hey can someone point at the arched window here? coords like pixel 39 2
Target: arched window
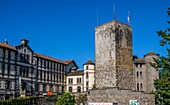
pixel 137 74
pixel 140 74
pixel 78 89
pixel 141 87
pixel 70 89
pixel 137 86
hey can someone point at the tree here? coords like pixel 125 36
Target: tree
pixel 162 85
pixel 65 99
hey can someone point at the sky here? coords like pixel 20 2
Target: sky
pixel 64 29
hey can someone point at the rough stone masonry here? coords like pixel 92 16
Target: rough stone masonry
pixel 114 76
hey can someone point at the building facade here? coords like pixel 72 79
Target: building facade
pixel 81 80
pixel 24 72
pixel 144 73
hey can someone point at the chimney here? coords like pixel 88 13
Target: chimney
pixel 5 42
pixel 24 42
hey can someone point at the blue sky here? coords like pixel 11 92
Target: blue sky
pixel 64 29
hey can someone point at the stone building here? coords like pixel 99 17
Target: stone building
pixel 114 74
pixel 145 74
pixel 24 72
pixel 81 80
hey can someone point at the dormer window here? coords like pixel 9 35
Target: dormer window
pixel 87 67
pixel 25 50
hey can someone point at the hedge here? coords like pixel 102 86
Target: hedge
pixel 18 101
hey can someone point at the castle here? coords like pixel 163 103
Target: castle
pixel 115 72
pixel 119 78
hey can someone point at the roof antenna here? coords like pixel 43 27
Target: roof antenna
pixel 114 11
pixel 97 20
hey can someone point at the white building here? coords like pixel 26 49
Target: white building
pixel 81 80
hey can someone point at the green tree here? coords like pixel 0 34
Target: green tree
pixel 162 85
pixel 65 99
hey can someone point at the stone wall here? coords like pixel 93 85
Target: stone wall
pixel 121 97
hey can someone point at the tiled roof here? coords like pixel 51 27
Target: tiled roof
pixel 139 60
pixel 37 55
pixel 151 53
pixel 89 62
pixel 7 46
pixel 78 72
pixel 68 61
pixel 49 58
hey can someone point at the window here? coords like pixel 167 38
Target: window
pixel 25 50
pixel 45 63
pixel 78 89
pixel 140 74
pixel 24 58
pixel 137 74
pixel 20 57
pixel 27 72
pixel 51 88
pixel 44 88
pixel 140 65
pixel 141 87
pixel 87 67
pixel 44 75
pixel 3 68
pixel 136 65
pixel 20 71
pixel 87 75
pixel 7 85
pixel 9 54
pixel 24 72
pixel 87 85
pixel 8 72
pixel 40 74
pixel 3 53
pixel 36 86
pixel 70 80
pixel 137 86
pixel 32 72
pixel 78 80
pixel 70 89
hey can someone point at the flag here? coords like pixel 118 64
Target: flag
pixel 128 18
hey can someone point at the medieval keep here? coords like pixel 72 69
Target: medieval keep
pixel 114 75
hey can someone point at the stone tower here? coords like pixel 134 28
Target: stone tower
pixel 151 73
pixel 114 66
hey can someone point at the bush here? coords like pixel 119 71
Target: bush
pixel 65 99
pixel 18 101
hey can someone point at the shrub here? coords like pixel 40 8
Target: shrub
pixel 65 99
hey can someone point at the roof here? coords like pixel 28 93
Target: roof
pixel 68 61
pixel 115 21
pixel 49 58
pixel 89 62
pixel 78 72
pixel 151 53
pixel 139 60
pixel 7 46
